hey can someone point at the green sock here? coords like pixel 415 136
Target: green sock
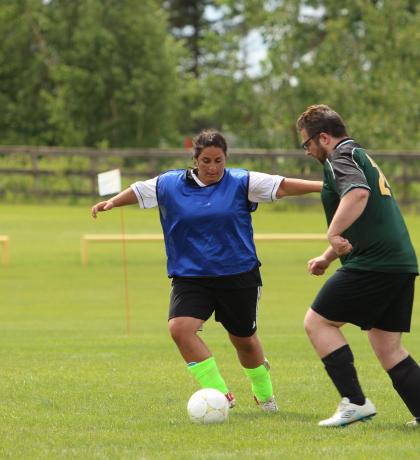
pixel 261 382
pixel 207 374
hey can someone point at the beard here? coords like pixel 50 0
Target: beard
pixel 322 152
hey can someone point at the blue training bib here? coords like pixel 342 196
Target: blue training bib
pixel 208 230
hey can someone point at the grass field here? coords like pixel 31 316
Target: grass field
pixel 75 386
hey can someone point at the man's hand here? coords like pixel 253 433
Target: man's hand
pixel 351 207
pixel 340 245
pixel 318 265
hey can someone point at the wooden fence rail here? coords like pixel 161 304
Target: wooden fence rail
pixel 73 171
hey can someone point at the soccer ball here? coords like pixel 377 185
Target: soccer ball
pixel 208 406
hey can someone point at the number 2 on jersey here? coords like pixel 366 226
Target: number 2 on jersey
pixel 383 183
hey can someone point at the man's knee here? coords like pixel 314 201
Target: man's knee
pixel 314 323
pixel 387 347
pixel 311 322
pixel 390 357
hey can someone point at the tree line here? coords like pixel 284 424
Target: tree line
pixel 151 73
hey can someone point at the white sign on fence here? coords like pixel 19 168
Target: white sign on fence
pixel 109 182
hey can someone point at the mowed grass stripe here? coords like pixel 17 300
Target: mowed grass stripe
pixel 74 386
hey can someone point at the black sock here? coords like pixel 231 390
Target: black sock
pixel 405 378
pixel 340 367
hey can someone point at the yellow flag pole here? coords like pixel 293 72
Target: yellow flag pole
pixel 125 265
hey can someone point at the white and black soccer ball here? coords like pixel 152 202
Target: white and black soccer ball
pixel 208 406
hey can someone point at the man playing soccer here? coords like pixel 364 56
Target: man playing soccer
pixel 374 288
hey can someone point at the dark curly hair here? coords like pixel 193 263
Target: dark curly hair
pixel 208 138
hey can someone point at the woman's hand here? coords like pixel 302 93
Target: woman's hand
pixel 101 206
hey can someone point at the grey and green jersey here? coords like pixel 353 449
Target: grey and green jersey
pixel 380 239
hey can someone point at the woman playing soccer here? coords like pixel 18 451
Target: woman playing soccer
pixel 205 215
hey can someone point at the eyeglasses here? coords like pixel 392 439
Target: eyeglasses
pixel 305 145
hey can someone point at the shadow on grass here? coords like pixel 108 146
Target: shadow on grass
pixel 401 427
pixel 281 415
pixel 378 424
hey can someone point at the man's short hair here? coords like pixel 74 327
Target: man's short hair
pixel 321 119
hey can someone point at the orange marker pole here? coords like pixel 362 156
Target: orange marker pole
pixel 124 254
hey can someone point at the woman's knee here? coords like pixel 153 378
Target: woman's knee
pixel 246 344
pixel 249 346
pixel 181 328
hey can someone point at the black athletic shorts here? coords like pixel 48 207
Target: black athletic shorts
pixel 368 299
pixel 236 308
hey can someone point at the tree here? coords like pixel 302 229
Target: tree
pixel 87 72
pixel 357 56
pixel 189 23
pixel 23 73
pixel 115 81
pixel 218 90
